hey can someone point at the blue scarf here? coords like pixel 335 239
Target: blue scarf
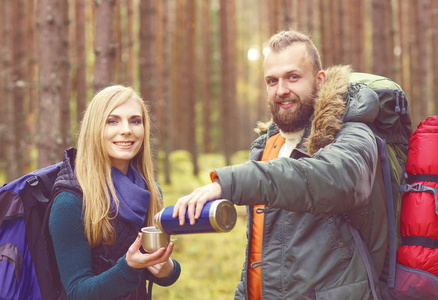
pixel 133 196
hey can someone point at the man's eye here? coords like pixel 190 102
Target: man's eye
pixel 271 81
pixel 293 77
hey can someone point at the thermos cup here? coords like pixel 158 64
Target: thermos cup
pixel 153 239
pixel 216 216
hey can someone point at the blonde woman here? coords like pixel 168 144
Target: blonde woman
pixel 105 193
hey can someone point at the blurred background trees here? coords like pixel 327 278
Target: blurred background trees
pixel 197 64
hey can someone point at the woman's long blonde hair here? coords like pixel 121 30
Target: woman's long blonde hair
pixel 93 166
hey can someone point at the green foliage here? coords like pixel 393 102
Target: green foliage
pixel 211 262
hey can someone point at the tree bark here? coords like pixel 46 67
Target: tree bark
pixel 424 57
pixel 64 74
pixel 81 60
pixel 379 38
pixel 131 41
pixel 191 85
pixel 2 86
pixel 405 52
pixel 148 66
pixel 7 122
pixel 104 46
pixel 335 25
pixel 207 50
pixel 358 35
pixel 228 88
pixel 49 44
pixel 178 49
pixel 166 78
pixel 389 40
pixel 324 10
pixel 345 31
pixel 434 18
pixel 118 44
pixel 19 82
pixel 414 60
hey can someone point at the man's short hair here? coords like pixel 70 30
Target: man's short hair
pixel 281 40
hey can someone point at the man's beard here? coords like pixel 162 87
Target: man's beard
pixel 298 119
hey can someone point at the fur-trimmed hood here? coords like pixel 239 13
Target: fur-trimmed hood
pixel 337 102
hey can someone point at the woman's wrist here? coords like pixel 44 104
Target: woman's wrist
pixel 167 269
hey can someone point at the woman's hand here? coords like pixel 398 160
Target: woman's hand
pixel 158 262
pixel 162 270
pixel 194 202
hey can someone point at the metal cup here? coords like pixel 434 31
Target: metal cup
pixel 154 239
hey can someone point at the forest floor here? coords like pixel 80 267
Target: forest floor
pixel 211 263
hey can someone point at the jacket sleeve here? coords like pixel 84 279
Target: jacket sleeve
pixel 171 279
pixel 337 178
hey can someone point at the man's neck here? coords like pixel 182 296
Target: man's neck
pixel 292 140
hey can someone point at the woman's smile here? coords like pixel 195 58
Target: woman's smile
pixel 124 133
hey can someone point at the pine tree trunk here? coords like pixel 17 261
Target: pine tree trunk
pixel 191 84
pixel 206 78
pixel 130 37
pixel 64 74
pixel 424 56
pixel 434 18
pixel 177 51
pixel 49 45
pixel 81 60
pixel 379 29
pixel 389 40
pixel 148 67
pixel 7 121
pixel 118 45
pixel 104 48
pixel 414 61
pixel 166 78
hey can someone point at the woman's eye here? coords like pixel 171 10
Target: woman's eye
pixel 137 121
pixel 111 121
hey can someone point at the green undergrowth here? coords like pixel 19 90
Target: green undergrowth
pixel 211 263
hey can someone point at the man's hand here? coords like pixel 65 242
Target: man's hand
pixel 194 202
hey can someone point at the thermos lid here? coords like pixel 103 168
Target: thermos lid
pixel 223 215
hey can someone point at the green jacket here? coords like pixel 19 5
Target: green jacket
pixel 308 251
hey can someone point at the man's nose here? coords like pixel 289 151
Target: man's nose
pixel 283 88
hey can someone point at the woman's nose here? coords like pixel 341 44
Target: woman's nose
pixel 126 129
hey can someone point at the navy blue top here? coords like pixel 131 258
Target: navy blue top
pixel 73 255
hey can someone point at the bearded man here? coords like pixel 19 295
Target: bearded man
pixel 312 169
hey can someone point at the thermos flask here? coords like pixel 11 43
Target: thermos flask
pixel 216 216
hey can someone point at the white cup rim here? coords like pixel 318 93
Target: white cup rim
pixel 151 229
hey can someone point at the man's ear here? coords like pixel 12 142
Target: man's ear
pixel 321 78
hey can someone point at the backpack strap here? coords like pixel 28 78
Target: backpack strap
pixel 386 171
pixel 420 241
pixel 419 187
pixel 149 290
pixel 36 189
pixel 365 255
pixel 360 244
pixel 422 177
